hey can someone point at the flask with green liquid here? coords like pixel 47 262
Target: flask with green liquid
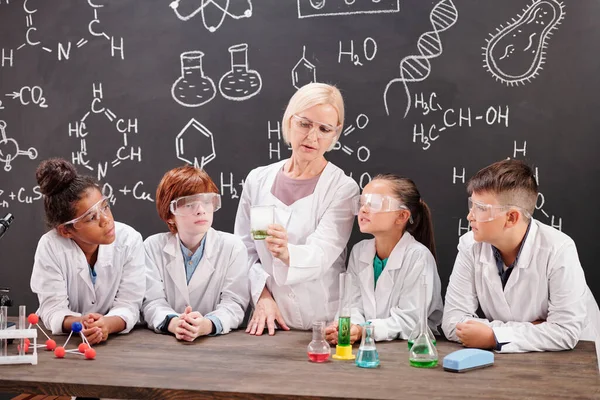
pixel 423 353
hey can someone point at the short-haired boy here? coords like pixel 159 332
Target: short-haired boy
pixel 525 275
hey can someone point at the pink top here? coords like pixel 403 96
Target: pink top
pixel 289 190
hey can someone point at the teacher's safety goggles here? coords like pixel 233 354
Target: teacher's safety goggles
pixel 305 126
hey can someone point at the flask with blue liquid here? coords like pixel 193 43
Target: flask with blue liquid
pixel 367 356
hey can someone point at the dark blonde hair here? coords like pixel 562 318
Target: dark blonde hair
pixel 179 182
pixel 512 181
pixel 406 191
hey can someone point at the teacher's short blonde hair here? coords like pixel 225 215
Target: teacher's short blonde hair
pixel 311 95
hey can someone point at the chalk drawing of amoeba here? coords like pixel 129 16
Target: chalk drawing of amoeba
pixel 515 53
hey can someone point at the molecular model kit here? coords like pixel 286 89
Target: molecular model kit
pixel 25 336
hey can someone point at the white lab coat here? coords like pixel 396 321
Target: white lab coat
pixel 394 306
pixel 218 287
pixel 547 283
pixel 318 228
pixel 61 279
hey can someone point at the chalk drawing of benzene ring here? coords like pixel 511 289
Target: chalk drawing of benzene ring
pixel 198 139
pixel 9 149
pixel 416 68
pixel 516 53
pixel 205 3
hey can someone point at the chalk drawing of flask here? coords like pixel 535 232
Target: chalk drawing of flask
pixel 240 83
pixel 193 88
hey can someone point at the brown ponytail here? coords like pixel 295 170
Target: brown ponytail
pixel 421 226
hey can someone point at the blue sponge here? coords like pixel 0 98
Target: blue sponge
pixel 468 359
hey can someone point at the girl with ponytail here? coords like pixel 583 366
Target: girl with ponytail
pixel 87 268
pixel 387 269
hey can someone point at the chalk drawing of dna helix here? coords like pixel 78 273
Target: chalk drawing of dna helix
pixel 416 68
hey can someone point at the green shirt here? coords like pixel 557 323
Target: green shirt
pixel 378 266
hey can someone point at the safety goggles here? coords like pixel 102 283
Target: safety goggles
pixel 377 203
pixel 483 212
pixel 304 126
pixel 196 203
pixel 92 215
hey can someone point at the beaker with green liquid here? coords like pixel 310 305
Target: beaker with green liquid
pixel 260 219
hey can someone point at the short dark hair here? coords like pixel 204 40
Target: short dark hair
pixel 513 181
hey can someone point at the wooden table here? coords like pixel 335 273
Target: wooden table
pixel 143 364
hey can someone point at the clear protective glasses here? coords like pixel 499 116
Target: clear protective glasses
pixel 377 203
pixel 194 204
pixel 483 212
pixel 92 215
pixel 305 126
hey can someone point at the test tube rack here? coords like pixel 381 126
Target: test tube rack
pixel 32 359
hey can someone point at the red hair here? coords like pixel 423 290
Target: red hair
pixel 179 182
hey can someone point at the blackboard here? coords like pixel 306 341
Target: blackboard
pixel 434 90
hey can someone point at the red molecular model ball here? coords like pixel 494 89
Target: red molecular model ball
pixel 50 344
pixel 26 347
pixel 59 352
pixel 33 319
pixel 83 347
pixel 90 353
pixel 27 341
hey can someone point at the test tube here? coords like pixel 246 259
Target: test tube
pixel 344 311
pixel 22 320
pixel 3 325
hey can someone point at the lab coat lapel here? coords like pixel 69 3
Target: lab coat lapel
pixel 206 266
pixel 84 274
pixel 175 267
pixel 104 267
pixel 385 283
pixel 367 280
pixel 283 216
pixel 282 212
pixel 489 271
pixel 83 268
pixel 524 258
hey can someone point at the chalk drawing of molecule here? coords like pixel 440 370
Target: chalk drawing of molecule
pixel 516 53
pixel 225 9
pixel 9 149
pixel 416 68
pixel 304 72
pixel 198 139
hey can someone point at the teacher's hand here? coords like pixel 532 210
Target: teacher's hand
pixel 277 243
pixel 265 312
